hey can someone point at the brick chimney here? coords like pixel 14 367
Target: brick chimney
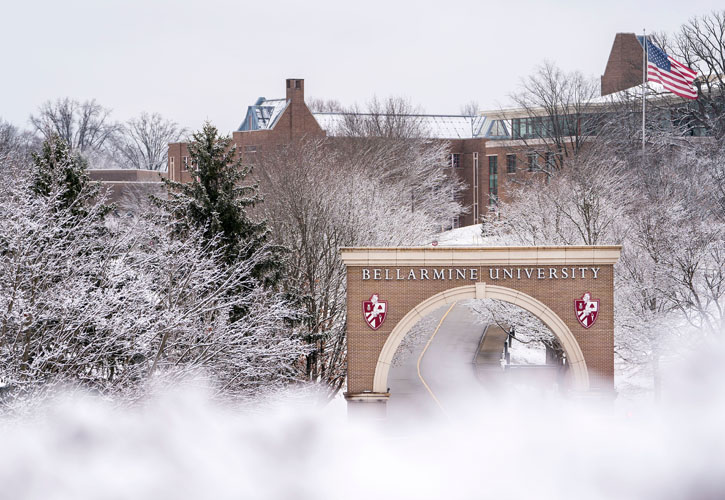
pixel 295 90
pixel 624 67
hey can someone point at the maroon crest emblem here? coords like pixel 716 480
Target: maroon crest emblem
pixel 586 310
pixel 374 311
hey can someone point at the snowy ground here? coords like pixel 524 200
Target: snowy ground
pixel 462 236
pixel 528 354
pixel 180 445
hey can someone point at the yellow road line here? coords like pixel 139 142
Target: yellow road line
pixel 420 358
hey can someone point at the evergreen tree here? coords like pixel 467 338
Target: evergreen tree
pixel 216 202
pixel 57 171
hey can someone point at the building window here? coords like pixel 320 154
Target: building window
pixel 498 129
pixel 532 162
pixel 171 163
pixel 493 179
pixel 298 84
pixel 184 163
pixel 545 126
pixel 250 149
pixel 525 128
pixel 510 164
pixel 455 160
pixel 552 160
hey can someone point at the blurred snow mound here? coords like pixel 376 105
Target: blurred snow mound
pixel 181 445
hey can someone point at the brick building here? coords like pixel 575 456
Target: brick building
pixel 481 151
pixel 268 124
pixel 130 184
pixel 624 67
pixel 491 152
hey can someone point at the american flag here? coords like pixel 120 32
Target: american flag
pixel 673 75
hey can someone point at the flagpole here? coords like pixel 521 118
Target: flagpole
pixel 644 86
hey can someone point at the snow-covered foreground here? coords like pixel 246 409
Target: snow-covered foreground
pixel 180 445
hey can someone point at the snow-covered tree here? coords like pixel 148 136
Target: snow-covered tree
pixel 554 114
pixel 60 174
pixel 323 195
pixel 110 305
pixel 582 204
pixel 669 219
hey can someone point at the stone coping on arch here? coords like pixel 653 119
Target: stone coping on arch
pixel 480 256
pixel 575 357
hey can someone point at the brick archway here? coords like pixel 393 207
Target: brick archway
pixel 577 364
pixel 546 281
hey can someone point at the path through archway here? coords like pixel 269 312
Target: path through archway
pixel 577 364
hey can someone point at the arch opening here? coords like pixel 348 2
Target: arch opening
pixel 577 372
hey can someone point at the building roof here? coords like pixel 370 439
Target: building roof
pixel 432 126
pixel 263 115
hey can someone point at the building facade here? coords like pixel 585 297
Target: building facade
pixel 492 153
pixel 482 152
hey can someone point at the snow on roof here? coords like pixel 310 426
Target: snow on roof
pixel 655 91
pixel 432 126
pixel 263 115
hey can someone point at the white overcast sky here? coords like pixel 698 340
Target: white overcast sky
pixel 198 60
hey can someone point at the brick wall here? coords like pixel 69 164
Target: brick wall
pixel 624 67
pixel 127 175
